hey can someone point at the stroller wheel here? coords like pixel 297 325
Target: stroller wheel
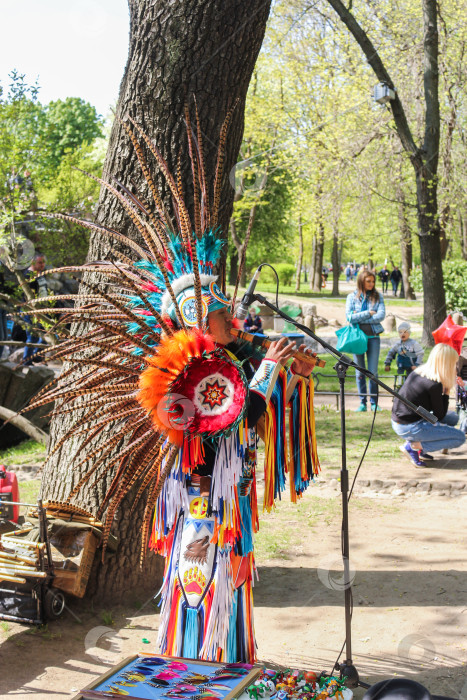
pixel 54 603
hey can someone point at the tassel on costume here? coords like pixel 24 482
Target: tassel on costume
pixel 275 461
pixel 303 455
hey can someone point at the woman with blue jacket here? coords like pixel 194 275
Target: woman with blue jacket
pixel 365 308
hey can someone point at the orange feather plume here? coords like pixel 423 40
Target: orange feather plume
pixel 173 355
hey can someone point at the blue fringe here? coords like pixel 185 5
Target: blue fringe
pixel 246 524
pixel 277 399
pixel 190 636
pixel 231 650
pixel 299 484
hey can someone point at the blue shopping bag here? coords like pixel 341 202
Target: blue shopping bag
pixel 352 339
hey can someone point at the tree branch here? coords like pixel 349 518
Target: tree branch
pixel 430 81
pixel 23 424
pixel 381 73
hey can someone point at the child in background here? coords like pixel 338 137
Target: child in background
pixel 408 352
pixel 252 323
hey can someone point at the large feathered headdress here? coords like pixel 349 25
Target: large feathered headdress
pixel 147 365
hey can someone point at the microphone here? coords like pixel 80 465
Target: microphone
pixel 242 310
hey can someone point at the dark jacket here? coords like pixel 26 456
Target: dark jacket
pixel 395 276
pixel 248 323
pixel 422 392
pixel 383 275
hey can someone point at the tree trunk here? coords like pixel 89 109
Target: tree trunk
pixel 313 263
pixel 233 269
pixel 300 254
pixel 434 299
pixel 318 259
pixel 205 48
pixel 336 264
pixel 407 291
pixel 463 235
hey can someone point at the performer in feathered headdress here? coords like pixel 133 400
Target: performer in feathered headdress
pixel 159 364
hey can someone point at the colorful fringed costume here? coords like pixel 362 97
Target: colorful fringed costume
pixel 189 409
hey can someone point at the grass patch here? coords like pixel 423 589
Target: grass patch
pixel 325 379
pixel 27 452
pixel 282 531
pixel 29 490
pixel 384 443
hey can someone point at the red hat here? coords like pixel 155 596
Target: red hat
pixel 450 334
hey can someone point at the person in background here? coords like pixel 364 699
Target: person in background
pixel 39 286
pixel 365 307
pixel 3 311
pixel 252 323
pixel 348 273
pixel 408 352
pixel 384 277
pixel 395 277
pixel 324 275
pixel 428 386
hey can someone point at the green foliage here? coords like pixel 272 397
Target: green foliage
pixel 455 277
pixel 68 125
pixel 41 147
pixel 285 272
pixel 416 279
pixel 455 286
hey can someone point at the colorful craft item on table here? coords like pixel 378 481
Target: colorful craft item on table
pixel 297 685
pixel 132 676
pixel 196 678
pixel 145 670
pixel 178 666
pixel 167 675
pixel 152 660
pixel 185 688
pixel 450 334
pixel 161 682
pixel 310 676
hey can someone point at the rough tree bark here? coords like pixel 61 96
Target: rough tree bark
pixel 406 246
pixel 300 254
pixel 424 157
pixel 463 235
pixel 316 281
pixel 336 263
pixel 205 48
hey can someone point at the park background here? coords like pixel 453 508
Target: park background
pixel 325 178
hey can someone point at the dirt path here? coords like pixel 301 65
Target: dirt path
pixel 409 587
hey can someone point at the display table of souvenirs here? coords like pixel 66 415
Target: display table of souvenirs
pixel 153 677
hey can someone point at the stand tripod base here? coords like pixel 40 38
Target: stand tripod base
pixel 347 670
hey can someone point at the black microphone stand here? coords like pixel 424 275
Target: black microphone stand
pixel 342 365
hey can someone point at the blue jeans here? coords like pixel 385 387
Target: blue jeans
pixel 29 353
pixel 3 329
pixel 442 435
pixel 372 355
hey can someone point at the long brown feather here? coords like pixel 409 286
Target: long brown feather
pixel 220 166
pixel 194 169
pixel 148 177
pixel 184 216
